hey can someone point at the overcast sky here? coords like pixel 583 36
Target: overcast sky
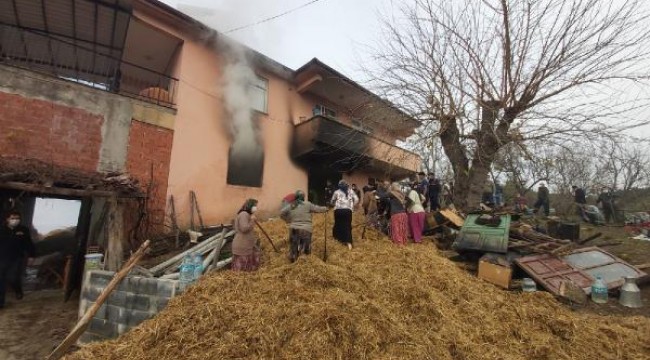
pixel 338 32
pixel 331 30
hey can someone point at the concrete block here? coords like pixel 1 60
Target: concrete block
pixel 130 300
pixel 92 293
pixel 161 303
pixel 136 317
pixel 100 278
pixel 148 286
pixel 118 298
pixel 125 284
pixel 117 314
pixel 101 313
pixel 103 328
pixel 140 302
pixel 122 328
pixel 166 289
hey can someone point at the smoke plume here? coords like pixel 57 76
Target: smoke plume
pixel 246 157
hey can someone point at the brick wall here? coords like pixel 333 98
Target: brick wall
pixel 151 145
pixel 43 130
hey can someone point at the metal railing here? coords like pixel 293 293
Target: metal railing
pixel 92 65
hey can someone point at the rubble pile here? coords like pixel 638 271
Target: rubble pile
pixel 376 301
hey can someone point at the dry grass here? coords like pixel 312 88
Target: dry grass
pixel 378 301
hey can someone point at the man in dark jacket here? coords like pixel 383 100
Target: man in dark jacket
pixel 15 245
pixel 580 198
pixel 542 199
pixel 434 192
pixel 579 195
pixel 606 200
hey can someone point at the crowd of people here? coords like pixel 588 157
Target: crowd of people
pixel 397 209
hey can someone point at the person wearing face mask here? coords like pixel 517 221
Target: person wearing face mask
pixel 15 244
pixel 245 248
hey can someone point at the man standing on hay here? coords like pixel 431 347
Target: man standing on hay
pixel 298 215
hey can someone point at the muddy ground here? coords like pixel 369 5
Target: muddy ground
pixel 32 327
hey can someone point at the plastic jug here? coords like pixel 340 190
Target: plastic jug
pixel 599 291
pixel 187 272
pixel 528 285
pixel 198 267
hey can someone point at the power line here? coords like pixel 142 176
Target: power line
pixel 272 17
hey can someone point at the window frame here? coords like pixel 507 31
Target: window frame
pixel 256 86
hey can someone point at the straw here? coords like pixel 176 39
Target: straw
pixel 378 301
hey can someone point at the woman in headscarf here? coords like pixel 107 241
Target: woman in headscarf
pixel 416 214
pixel 344 200
pixel 399 226
pixel 245 250
pixel 298 215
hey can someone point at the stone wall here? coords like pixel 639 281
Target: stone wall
pixel 135 300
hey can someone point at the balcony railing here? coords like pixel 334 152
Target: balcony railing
pixel 84 63
pixel 322 139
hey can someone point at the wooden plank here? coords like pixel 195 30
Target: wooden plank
pixel 217 251
pixel 164 265
pixel 549 271
pixel 53 190
pixel 115 250
pixel 453 217
pixel 85 320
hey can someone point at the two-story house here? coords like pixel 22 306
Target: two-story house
pixel 314 125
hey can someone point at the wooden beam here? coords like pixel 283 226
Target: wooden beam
pixel 53 190
pixel 307 83
pixel 115 249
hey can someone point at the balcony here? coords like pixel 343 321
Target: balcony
pixel 322 140
pixel 85 62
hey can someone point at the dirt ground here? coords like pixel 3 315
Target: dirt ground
pixel 32 327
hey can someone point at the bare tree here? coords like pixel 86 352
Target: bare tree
pixel 494 72
pixel 622 166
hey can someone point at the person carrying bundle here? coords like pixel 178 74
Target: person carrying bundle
pixel 298 216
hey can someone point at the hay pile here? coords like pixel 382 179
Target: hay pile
pixel 378 301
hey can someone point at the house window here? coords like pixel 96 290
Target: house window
pixel 361 126
pixel 259 92
pixel 324 111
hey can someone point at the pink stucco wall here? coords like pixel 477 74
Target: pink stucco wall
pixel 199 159
pixel 200 151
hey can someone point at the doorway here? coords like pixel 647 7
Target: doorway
pixel 318 176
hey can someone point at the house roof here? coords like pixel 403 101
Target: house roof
pixel 365 103
pixel 398 121
pixel 65 36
